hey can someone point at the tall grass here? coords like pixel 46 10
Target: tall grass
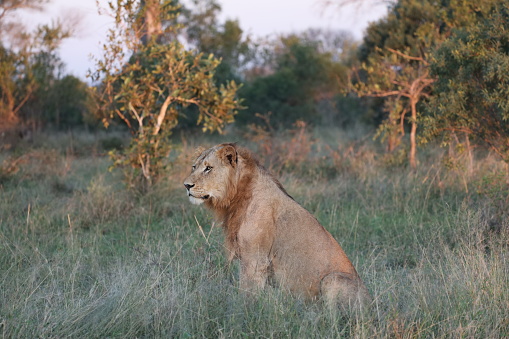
pixel 80 256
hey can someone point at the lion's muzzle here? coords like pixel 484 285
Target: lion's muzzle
pixel 195 199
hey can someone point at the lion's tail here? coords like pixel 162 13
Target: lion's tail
pixel 346 291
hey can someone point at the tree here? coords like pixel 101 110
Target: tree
pixel 9 6
pixel 294 75
pixel 395 58
pixel 11 99
pixel 159 80
pixel 13 64
pixel 394 76
pixel 29 64
pixel 472 96
pixel 226 41
pixel 68 103
pixel 45 69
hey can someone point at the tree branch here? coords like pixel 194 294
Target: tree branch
pixel 30 90
pixel 386 94
pixel 122 116
pixel 401 54
pixel 162 114
pixel 140 119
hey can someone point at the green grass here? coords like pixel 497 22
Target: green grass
pixel 82 257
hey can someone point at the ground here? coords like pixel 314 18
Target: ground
pixel 82 256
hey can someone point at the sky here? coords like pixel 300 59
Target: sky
pixel 257 17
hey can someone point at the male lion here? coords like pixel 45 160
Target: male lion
pixel 275 239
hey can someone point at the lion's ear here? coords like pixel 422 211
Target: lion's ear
pixel 198 151
pixel 228 154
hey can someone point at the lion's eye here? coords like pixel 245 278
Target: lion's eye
pixel 207 169
pixel 194 167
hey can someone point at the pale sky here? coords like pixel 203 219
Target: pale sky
pixel 257 17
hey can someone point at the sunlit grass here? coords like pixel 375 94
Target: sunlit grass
pixel 82 257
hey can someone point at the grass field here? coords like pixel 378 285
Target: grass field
pixel 81 256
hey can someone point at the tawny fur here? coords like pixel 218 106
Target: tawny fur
pixel 275 239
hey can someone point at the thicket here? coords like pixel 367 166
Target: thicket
pixel 418 44
pixel 471 69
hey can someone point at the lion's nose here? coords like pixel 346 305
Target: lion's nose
pixel 189 186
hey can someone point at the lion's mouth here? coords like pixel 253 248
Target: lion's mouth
pixel 205 197
pixel 196 200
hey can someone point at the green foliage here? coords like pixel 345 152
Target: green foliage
pixel 156 85
pixel 408 27
pixel 394 66
pixel 414 27
pixel 11 87
pixel 32 90
pixel 294 77
pixel 69 103
pixel 472 94
pixel 226 41
pixel 59 101
pixel 44 68
pixel 395 59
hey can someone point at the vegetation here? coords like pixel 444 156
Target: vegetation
pixel 292 81
pixel 472 69
pixel 160 79
pixel 84 255
pixel 34 90
pixel 396 55
pixel 226 41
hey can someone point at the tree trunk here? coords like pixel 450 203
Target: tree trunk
pixel 470 155
pixel 395 134
pixel 413 145
pixel 8 117
pixel 145 169
pixel 392 142
pixel 151 20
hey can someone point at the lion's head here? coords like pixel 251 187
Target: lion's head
pixel 211 179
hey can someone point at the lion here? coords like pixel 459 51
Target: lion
pixel 275 239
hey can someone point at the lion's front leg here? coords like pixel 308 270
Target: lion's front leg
pixel 254 273
pixel 256 238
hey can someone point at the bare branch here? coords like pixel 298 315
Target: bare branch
pixel 387 94
pixel 409 57
pixel 7 6
pixel 122 116
pixel 162 114
pixel 138 117
pixel 29 91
